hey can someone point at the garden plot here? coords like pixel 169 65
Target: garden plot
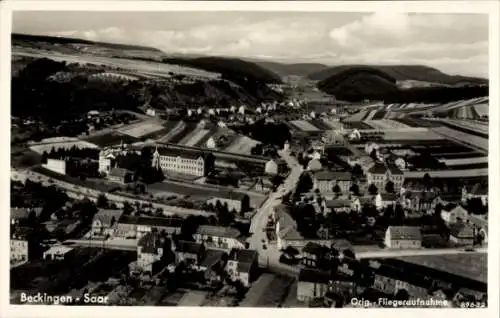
pixel 242 145
pixel 304 126
pixel 194 137
pixel 141 129
pixel 411 134
pixel 464 161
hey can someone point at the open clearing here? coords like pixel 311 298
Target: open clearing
pixel 141 129
pixel 41 147
pixel 192 299
pixel 242 145
pixel 193 137
pixel 473 266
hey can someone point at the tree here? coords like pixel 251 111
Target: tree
pixel 357 171
pixel 102 201
pixel 373 154
pixel 402 294
pixel 305 183
pixel 354 189
pixel 389 187
pixel 337 189
pixel 427 181
pixel 373 189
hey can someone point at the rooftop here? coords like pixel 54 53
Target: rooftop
pixel 394 170
pixel 108 216
pixel 332 175
pixel 332 204
pixel 151 242
pixel 151 221
pixel 243 256
pixel 314 248
pixel 58 250
pixel 405 232
pixel 212 257
pixel 219 231
pixel 378 169
pixel 388 196
pixel 119 172
pixel 183 153
pixel 463 231
pixel 313 276
pixel 188 247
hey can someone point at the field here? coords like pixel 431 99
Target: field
pixel 192 298
pixel 466 173
pixel 41 147
pixel 473 266
pixel 186 130
pixel 195 191
pixel 386 124
pixel 465 161
pixel 466 138
pixel 304 126
pixel 411 134
pixel 356 125
pixel 195 137
pixel 141 129
pixel 110 139
pixel 242 145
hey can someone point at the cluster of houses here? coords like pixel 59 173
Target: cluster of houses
pixel 389 279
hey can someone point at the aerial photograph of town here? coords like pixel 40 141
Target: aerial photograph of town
pixel 249 159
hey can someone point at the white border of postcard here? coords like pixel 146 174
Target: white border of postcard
pixel 487 7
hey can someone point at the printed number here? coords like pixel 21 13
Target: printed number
pixel 472 305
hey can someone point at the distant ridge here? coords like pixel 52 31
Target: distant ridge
pixel 68 40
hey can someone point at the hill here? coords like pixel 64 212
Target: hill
pixel 403 73
pixel 298 69
pixel 357 83
pixel 234 69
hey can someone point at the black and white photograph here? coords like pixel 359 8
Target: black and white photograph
pixel 251 158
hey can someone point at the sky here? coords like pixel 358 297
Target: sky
pixel 453 43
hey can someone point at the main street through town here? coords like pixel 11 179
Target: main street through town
pixel 269 256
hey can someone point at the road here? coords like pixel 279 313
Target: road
pixel 270 256
pixel 417 252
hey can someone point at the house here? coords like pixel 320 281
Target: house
pixel 17 215
pixel 242 264
pixel 183 161
pixel 236 201
pixel 312 253
pixel 211 144
pixel 275 167
pixel 453 213
pixel 213 264
pixel 477 191
pixel 384 200
pixel 462 234
pixel 325 181
pixel 151 112
pixel 312 284
pixel 314 165
pixel 152 248
pixel 220 237
pixel 136 226
pixel 104 222
pixel 23 246
pixel 337 206
pixel 404 237
pixel 59 253
pixel 120 175
pixel 481 224
pixel 188 252
pixel 379 175
pixel 390 280
pixel 419 201
pixel 287 233
pixel 56 165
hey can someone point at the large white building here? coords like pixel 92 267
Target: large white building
pixel 182 161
